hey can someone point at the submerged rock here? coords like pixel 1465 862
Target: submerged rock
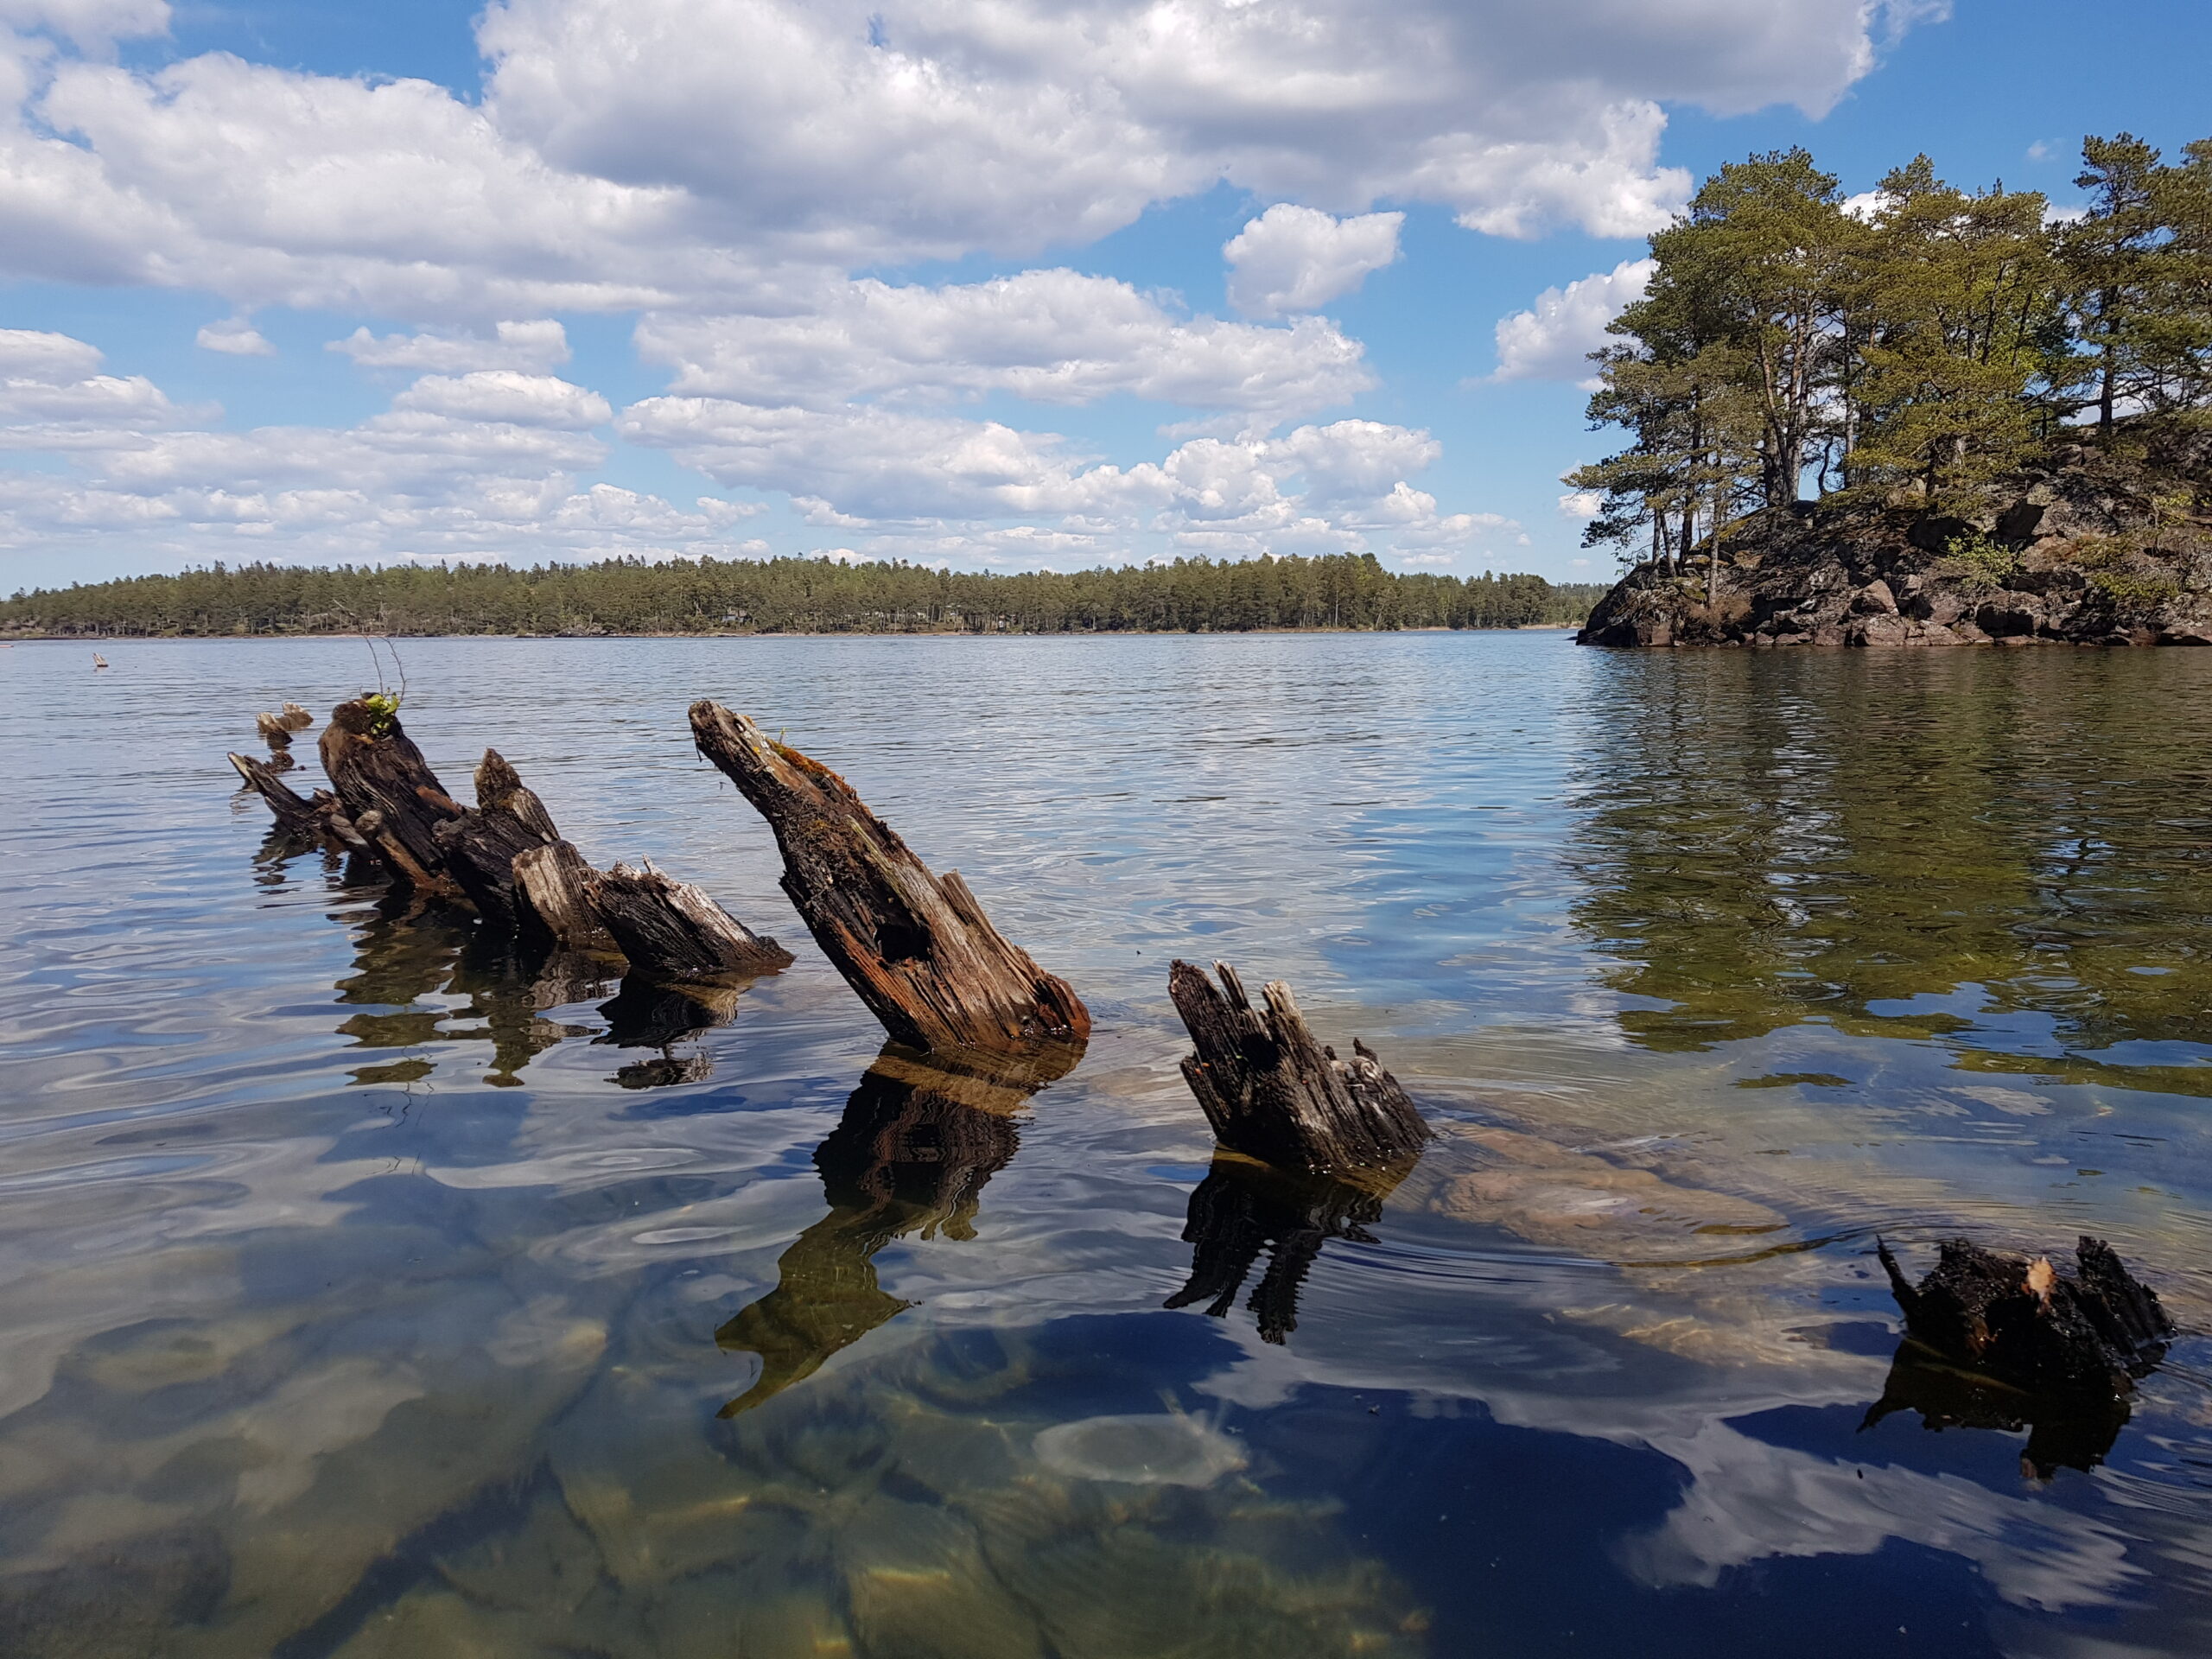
pixel 1166 1449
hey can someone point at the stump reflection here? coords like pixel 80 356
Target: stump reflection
pixel 1243 1207
pixel 2065 1431
pixel 919 1139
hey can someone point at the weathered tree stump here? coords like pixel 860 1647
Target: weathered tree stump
pixel 295 815
pixel 273 730
pixel 296 718
pixel 553 907
pixel 1274 1093
pixel 672 930
pixel 2084 1335
pixel 388 791
pixel 480 846
pixel 919 1138
pixel 1242 1208
pixel 916 947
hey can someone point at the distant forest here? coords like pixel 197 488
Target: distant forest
pixel 1910 347
pixel 793 596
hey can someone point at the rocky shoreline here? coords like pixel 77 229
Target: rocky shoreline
pixel 2099 546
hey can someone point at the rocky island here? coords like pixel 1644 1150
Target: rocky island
pixel 2097 544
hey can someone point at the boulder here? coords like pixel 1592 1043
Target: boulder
pixel 1875 599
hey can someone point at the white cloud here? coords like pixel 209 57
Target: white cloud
pixel 505 395
pixel 1293 258
pixel 1049 336
pixel 1581 504
pixel 1553 339
pixel 640 153
pixel 91 24
pixel 236 337
pixel 531 347
pixel 51 384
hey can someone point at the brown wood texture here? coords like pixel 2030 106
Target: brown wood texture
pixel 480 846
pixel 551 901
pixel 2032 1324
pixel 394 799
pixel 273 730
pixel 1273 1093
pixel 915 946
pixel 294 812
pixel 672 930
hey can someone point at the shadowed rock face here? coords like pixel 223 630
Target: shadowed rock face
pixel 2093 548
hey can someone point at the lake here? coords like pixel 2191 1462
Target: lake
pixel 365 1293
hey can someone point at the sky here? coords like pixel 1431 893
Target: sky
pixel 1004 285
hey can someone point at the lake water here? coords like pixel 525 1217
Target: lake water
pixel 360 1294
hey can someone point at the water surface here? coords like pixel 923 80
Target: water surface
pixel 365 1292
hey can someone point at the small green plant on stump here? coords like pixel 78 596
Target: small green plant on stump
pixel 384 710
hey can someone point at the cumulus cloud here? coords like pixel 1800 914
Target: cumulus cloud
pixel 529 346
pixel 1048 336
pixel 505 395
pixel 640 153
pixel 478 466
pixel 1553 339
pixel 1293 258
pixel 52 396
pixel 1581 504
pixel 236 337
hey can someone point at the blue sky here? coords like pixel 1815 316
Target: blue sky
pixel 1039 283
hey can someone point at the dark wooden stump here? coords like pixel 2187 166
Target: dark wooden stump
pixel 273 730
pixel 1242 1208
pixel 2085 1335
pixel 480 846
pixel 672 930
pixel 553 904
pixel 919 1138
pixel 1274 1093
pixel 2065 1431
pixel 390 795
pixel 295 815
pixel 916 947
pixel 296 718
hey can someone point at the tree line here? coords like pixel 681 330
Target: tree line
pixel 1915 344
pixel 795 595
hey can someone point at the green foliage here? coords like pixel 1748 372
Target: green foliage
pixel 797 596
pixel 1931 343
pixel 1987 559
pixel 2131 594
pixel 384 709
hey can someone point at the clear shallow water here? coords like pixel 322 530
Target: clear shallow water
pixel 360 1295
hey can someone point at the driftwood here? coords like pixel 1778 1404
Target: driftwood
pixel 2086 1335
pixel 273 730
pixel 481 845
pixel 672 930
pixel 551 904
pixel 295 815
pixel 916 947
pixel 919 1138
pixel 296 718
pixel 1242 1208
pixel 389 792
pixel 1274 1093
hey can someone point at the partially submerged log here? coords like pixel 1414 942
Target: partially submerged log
pixel 552 906
pixel 388 791
pixel 916 947
pixel 1272 1092
pixel 2085 1335
pixel 1242 1208
pixel 296 718
pixel 2065 1431
pixel 675 931
pixel 273 730
pixel 481 845
pixel 295 815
